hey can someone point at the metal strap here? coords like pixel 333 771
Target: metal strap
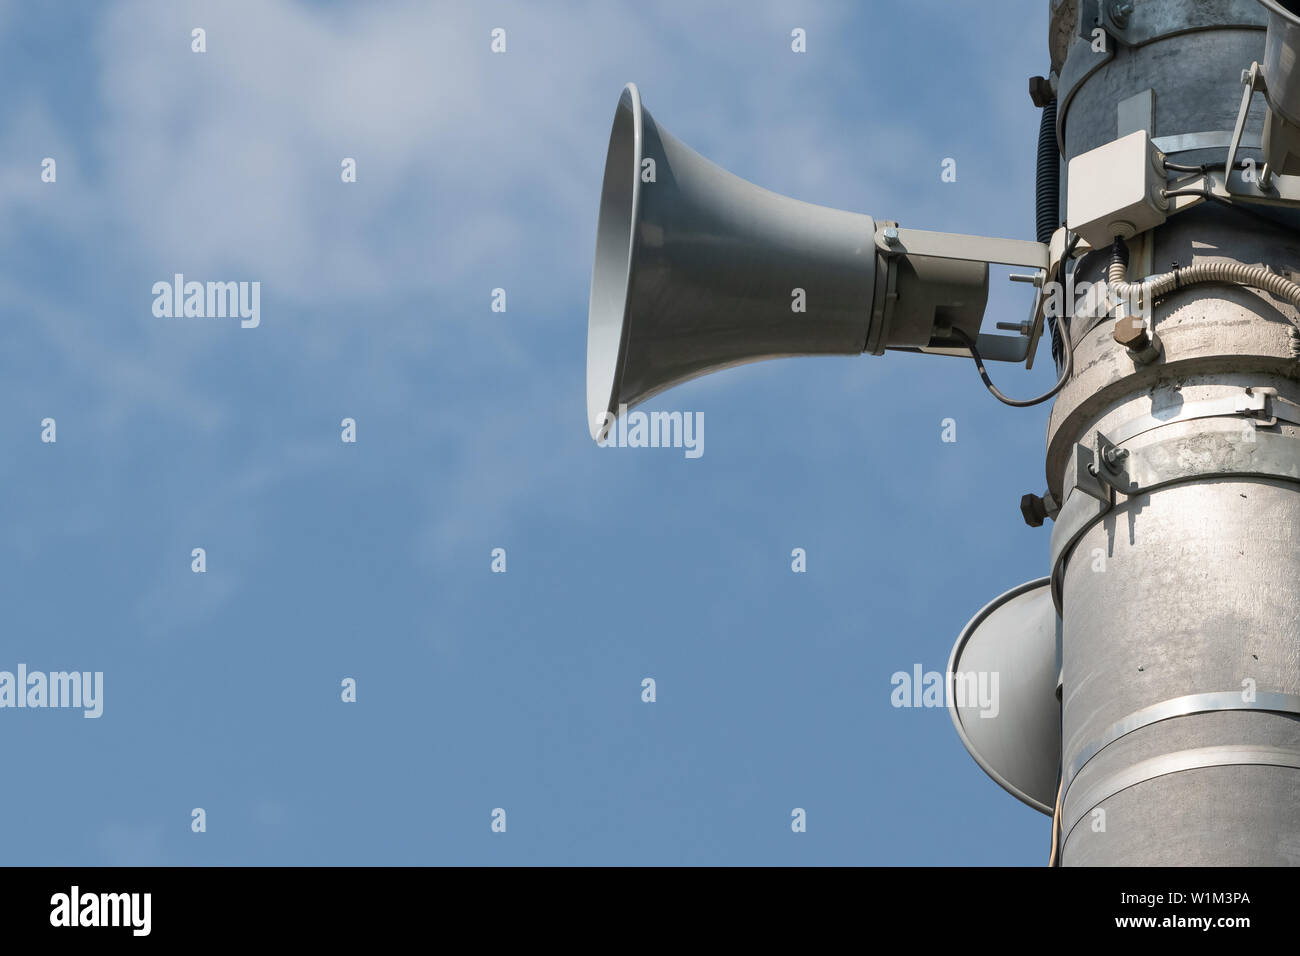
pixel 1231 755
pixel 1081 62
pixel 882 312
pixel 1187 142
pixel 1270 701
pixel 1079 513
pixel 1247 405
pixel 1271 456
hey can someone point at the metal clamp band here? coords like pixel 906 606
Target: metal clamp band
pixel 1253 402
pixel 1081 62
pixel 1153 20
pixel 1187 142
pixel 1147 22
pixel 1207 455
pixel 1230 755
pixel 882 313
pixel 1269 701
pixel 1079 513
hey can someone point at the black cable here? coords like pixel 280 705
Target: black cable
pixel 1069 249
pixel 1047 185
pixel 1227 204
pixel 967 341
pixel 1118 253
pixel 1203 167
pixel 1047 198
pixel 1057 358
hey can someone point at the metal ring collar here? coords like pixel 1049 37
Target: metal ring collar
pixel 1269 701
pixel 1230 755
pixel 1270 455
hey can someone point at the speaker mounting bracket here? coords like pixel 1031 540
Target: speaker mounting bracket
pixel 894 241
pixel 951 245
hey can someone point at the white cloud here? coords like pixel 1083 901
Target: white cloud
pixel 474 169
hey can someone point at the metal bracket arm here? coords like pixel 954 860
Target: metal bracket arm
pixel 893 241
pixel 1253 81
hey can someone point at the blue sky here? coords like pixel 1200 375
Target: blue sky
pixel 371 560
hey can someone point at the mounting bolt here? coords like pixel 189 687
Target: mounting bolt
pixel 1020 328
pixel 1120 11
pixel 1143 347
pixel 1131 332
pixel 1040 91
pixel 1113 456
pixel 891 235
pixel 1034 509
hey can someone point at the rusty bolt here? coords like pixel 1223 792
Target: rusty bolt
pixel 1131 332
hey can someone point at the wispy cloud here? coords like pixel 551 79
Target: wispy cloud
pixel 474 170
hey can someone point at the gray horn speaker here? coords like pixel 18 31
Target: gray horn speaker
pixel 696 271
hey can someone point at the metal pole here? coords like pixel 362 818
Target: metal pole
pixel 1180 606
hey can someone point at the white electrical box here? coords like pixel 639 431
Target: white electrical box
pixel 1117 190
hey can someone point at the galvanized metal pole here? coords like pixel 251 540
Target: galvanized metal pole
pixel 1181 605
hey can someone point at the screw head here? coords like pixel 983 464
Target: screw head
pixel 891 235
